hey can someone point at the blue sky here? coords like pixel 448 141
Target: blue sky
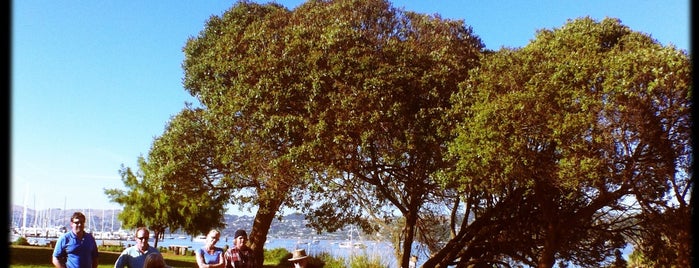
pixel 94 82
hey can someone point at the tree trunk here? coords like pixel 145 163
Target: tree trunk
pixel 546 260
pixel 409 234
pixel 260 228
pixel 156 234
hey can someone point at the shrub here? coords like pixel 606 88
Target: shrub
pixel 21 241
pixel 277 256
pixel 281 256
pixel 325 260
pixel 363 261
pixel 111 248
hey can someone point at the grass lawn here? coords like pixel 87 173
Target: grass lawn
pixel 35 256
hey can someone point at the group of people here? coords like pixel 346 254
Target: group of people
pixel 78 249
pixel 238 256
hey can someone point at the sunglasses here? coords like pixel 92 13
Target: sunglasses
pixel 142 238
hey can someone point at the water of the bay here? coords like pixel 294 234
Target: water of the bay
pixel 381 250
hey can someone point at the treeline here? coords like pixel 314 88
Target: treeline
pixel 355 112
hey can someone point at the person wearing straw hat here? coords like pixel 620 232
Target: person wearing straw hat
pixel 299 258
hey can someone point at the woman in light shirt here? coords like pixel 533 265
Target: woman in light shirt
pixel 210 256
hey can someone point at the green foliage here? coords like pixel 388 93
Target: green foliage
pixel 325 260
pixel 354 110
pixel 583 117
pixel 152 200
pixel 112 248
pixel 280 257
pixel 638 259
pixel 276 256
pixel 21 241
pixel 363 261
pixel 314 96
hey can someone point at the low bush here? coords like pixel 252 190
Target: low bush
pixel 363 261
pixel 325 260
pixel 276 256
pixel 21 241
pixel 110 248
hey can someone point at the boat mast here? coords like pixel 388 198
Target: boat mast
pixel 24 212
pixel 35 213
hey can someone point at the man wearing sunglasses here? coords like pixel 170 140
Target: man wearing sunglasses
pixel 135 256
pixel 76 249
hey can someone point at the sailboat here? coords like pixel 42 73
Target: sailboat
pixel 199 238
pixel 350 243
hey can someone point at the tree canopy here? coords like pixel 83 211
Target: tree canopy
pixel 356 112
pixel 582 127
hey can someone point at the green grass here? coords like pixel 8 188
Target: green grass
pixel 22 256
pixel 36 256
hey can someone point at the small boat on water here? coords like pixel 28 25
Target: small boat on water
pixel 350 242
pixel 199 238
pixel 38 241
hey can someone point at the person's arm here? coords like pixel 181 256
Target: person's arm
pixel 95 253
pixel 221 261
pixel 58 251
pixel 227 260
pixel 200 259
pixel 121 260
pixel 57 263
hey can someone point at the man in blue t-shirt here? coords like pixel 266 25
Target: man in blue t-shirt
pixel 76 249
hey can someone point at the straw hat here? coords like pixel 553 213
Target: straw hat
pixel 298 255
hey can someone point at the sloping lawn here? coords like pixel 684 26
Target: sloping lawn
pixel 38 256
pixel 34 256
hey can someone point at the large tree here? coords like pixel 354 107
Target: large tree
pixel 661 79
pixel 236 67
pixel 168 190
pixel 579 129
pixel 381 79
pixel 142 204
pixel 336 91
